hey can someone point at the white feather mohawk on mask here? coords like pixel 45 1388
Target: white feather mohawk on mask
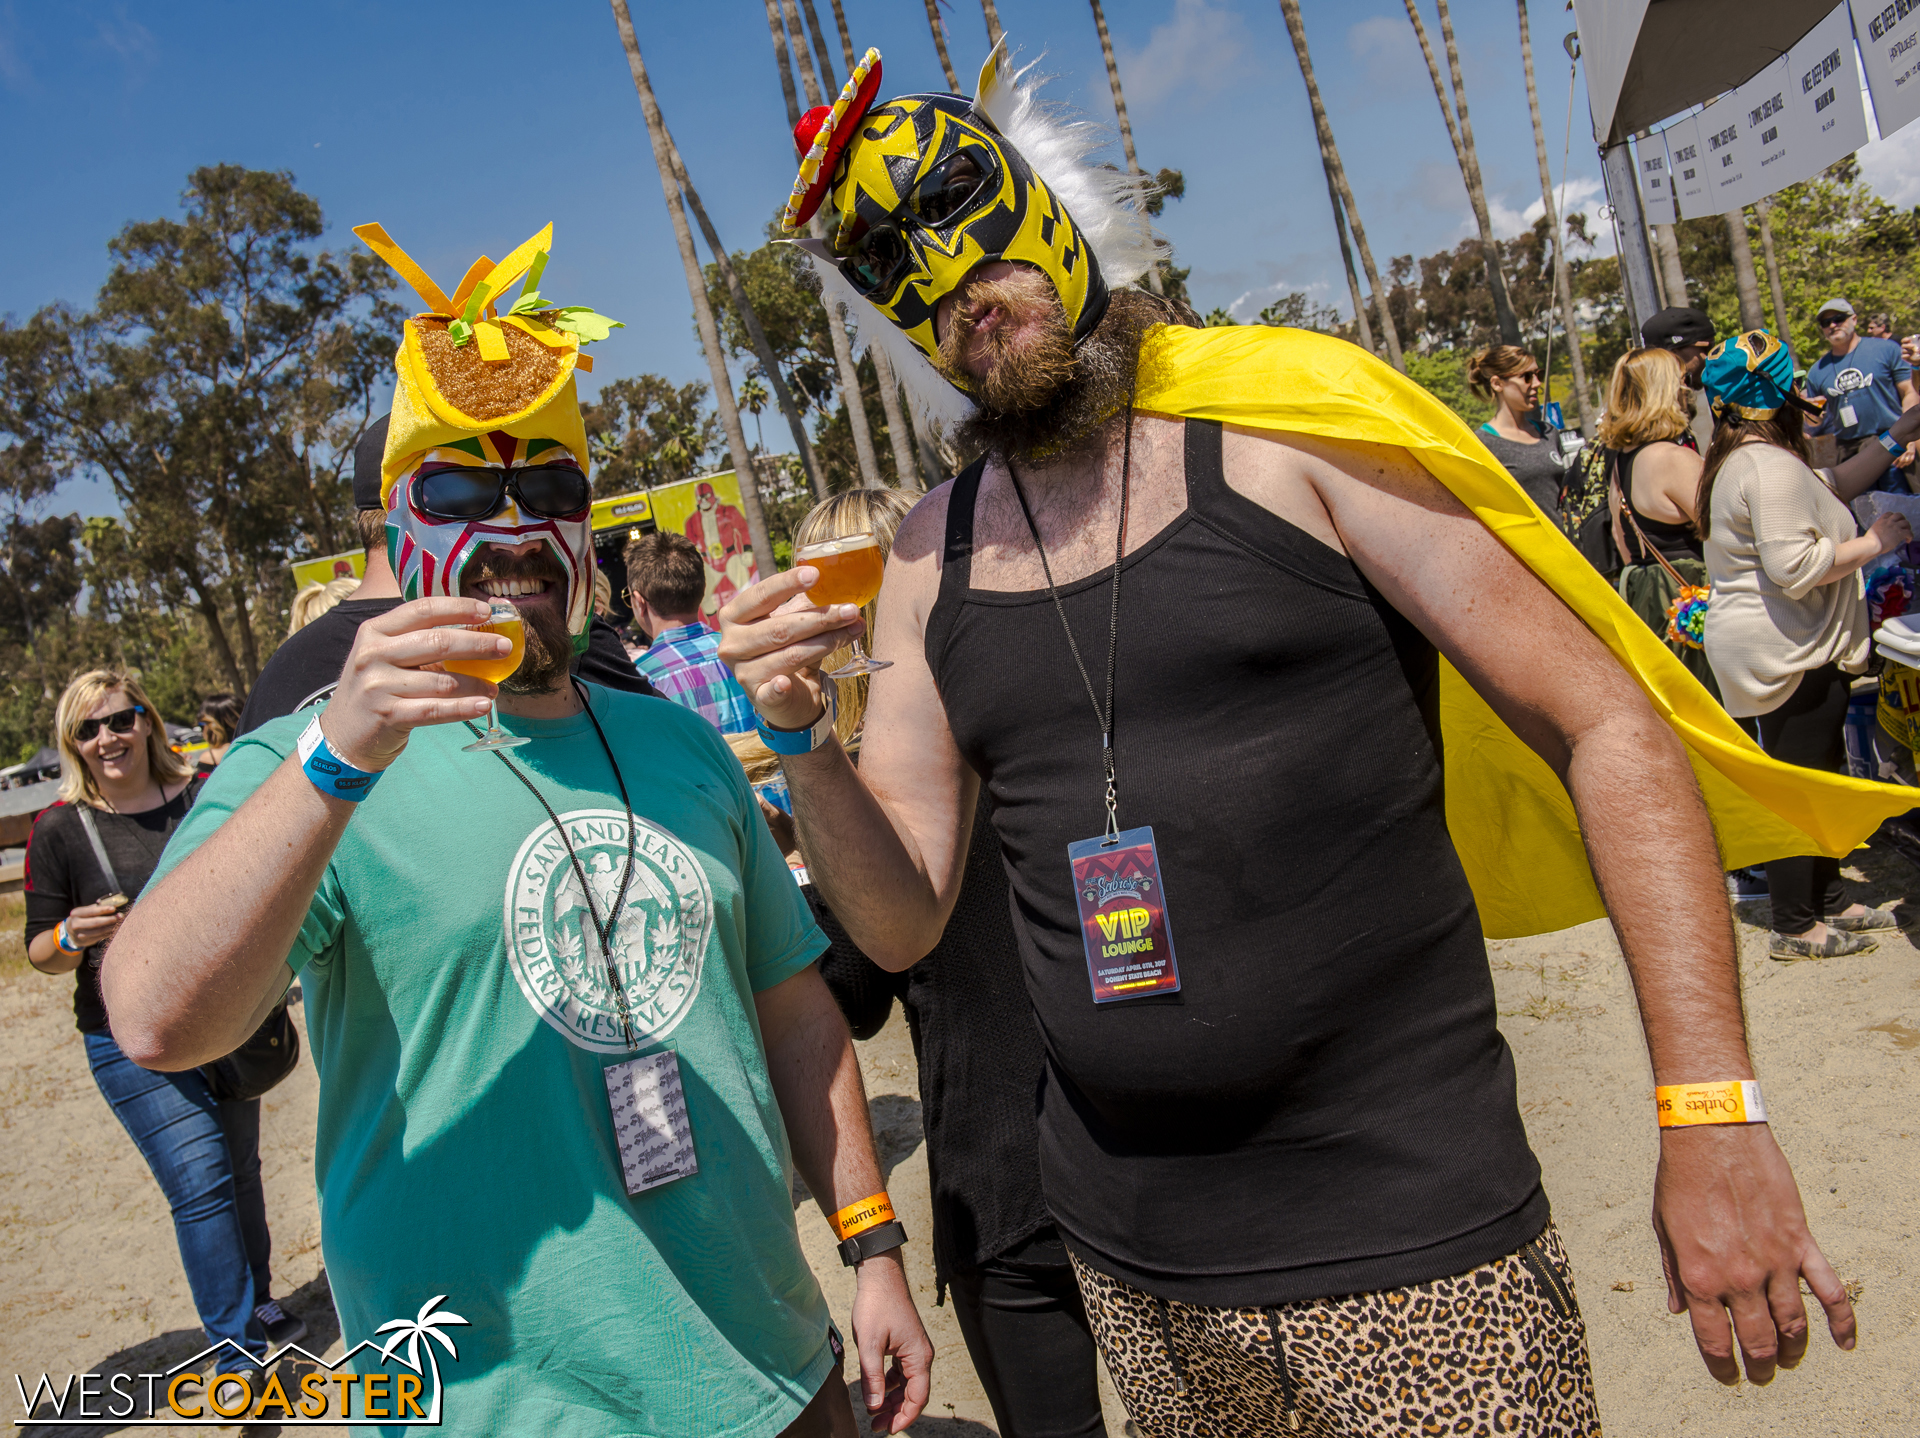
pixel 1108 205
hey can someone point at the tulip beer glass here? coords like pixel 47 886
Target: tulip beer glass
pixel 850 572
pixel 503 619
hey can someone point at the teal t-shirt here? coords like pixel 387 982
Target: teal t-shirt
pixel 460 1021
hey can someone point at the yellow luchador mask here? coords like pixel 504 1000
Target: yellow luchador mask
pixel 923 189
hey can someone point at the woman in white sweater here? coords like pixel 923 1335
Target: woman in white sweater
pixel 1787 626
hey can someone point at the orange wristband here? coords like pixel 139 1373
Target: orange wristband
pixel 1735 1101
pixel 859 1217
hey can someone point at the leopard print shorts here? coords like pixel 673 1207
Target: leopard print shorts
pixel 1499 1349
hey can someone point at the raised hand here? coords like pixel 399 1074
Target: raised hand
pixel 390 685
pixel 774 639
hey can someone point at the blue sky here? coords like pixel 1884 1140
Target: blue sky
pixel 464 127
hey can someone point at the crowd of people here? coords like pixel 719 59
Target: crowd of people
pixel 585 990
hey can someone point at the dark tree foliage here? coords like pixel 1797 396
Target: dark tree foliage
pixel 645 431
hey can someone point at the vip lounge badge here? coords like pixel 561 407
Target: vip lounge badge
pixel 397 1384
pixel 662 925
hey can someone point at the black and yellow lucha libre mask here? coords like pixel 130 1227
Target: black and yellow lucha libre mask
pixel 922 189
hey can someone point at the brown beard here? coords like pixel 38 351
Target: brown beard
pixel 549 650
pixel 1036 405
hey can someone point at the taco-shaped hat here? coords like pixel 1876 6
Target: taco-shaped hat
pixel 467 369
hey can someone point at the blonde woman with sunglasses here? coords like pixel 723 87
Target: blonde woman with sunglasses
pixel 118 772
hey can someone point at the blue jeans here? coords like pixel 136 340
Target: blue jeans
pixel 205 1155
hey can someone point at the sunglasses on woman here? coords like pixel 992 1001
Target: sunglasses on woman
pixel 121 721
pixel 548 491
pixel 952 190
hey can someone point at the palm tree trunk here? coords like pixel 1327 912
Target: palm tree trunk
pixel 846 36
pixel 762 349
pixel 785 66
pixel 828 85
pixel 1562 287
pixel 836 321
pixel 1744 278
pixel 1364 329
pixel 697 289
pixel 1460 131
pixel 940 44
pixel 993 23
pixel 1765 212
pixel 899 435
pixel 1330 157
pixel 1119 109
pixel 1666 248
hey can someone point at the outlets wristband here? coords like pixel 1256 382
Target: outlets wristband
pixel 332 775
pixel 1735 1101
pixel 803 741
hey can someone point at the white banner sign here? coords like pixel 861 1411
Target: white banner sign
pixel 1889 38
pixel 1656 184
pixel 1824 120
pixel 1726 153
pixel 1691 192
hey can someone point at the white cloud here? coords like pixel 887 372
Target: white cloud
pixel 1892 166
pixel 1388 51
pixel 1246 308
pixel 1199 52
pixel 1582 195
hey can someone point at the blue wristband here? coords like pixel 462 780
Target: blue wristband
pixel 1892 445
pixel 803 741
pixel 332 775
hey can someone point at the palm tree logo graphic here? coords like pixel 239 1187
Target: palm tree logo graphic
pixel 425 1324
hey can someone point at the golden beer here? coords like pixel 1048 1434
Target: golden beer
pixel 494 670
pixel 850 570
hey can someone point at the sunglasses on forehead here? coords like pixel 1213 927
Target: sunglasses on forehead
pixel 548 491
pixel 121 721
pixel 952 190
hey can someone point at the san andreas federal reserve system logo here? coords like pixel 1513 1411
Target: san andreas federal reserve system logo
pixel 390 1383
pixel 660 935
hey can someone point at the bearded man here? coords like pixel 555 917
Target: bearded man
pixel 578 1130
pixel 1206 621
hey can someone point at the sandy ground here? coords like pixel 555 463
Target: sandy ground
pixel 90 1279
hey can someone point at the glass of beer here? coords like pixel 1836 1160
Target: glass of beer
pixel 502 619
pixel 850 572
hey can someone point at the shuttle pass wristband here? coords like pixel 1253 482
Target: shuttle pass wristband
pixel 866 1228
pixel 1735 1101
pixel 64 938
pixel 804 741
pixel 332 775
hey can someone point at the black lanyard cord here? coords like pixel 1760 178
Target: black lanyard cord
pixel 1104 717
pixel 602 932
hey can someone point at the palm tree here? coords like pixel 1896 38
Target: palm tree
pixel 993 23
pixel 780 59
pixel 1330 158
pixel 425 1324
pixel 940 44
pixel 1744 278
pixel 1563 288
pixel 753 398
pixel 1460 131
pixel 697 290
pixel 1361 325
pixel 1764 212
pixel 756 335
pixel 850 388
pixel 1119 108
pixel 846 36
pixel 828 84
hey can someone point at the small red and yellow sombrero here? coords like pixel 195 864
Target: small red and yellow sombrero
pixel 823 134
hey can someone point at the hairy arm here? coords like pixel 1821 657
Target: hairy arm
pixel 816 1079
pixel 886 843
pixel 1731 1226
pixel 202 957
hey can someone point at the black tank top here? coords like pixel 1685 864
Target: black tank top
pixel 1327 1105
pixel 1674 541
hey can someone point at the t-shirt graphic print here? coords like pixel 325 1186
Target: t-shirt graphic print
pixel 660 929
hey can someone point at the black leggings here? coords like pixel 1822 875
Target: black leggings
pixel 1026 1331
pixel 1808 730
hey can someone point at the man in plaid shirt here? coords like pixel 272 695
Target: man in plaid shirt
pixel 666 580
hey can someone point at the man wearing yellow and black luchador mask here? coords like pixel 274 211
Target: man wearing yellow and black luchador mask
pixel 1251 640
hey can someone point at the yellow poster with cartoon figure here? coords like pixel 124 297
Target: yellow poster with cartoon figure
pixel 708 512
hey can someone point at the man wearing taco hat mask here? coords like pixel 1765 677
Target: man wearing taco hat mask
pixel 1304 1094
pixel 562 993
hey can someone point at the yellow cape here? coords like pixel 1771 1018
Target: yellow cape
pixel 1511 818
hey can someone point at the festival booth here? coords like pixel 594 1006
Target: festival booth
pixel 350 564
pixel 706 509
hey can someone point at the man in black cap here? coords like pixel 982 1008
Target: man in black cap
pixel 1688 334
pixel 305 669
